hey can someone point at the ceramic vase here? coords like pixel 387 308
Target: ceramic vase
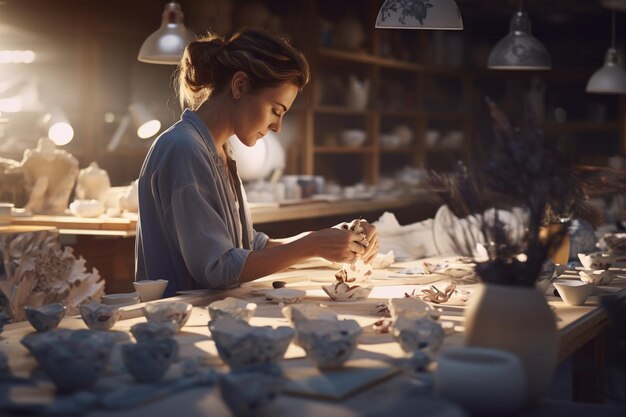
pixel 518 320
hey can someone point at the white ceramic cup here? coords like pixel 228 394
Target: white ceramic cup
pixel 6 210
pixel 573 292
pixel 482 381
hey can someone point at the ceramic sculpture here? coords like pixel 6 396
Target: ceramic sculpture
pixel 597 276
pixel 129 200
pixel 152 330
pixel 418 333
pixel 50 174
pixel 240 344
pixel 233 307
pixel 176 312
pixel 150 290
pixel 92 183
pixel 87 208
pixel 99 316
pixel 329 344
pixel 285 295
pixel 46 317
pixel 299 313
pixel 36 272
pixel 149 361
pixel 252 391
pixel 616 243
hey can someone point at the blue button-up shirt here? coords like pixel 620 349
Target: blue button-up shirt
pixel 191 229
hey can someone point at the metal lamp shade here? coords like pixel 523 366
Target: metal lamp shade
pixel 419 14
pixel 167 44
pixel 519 50
pixel 610 79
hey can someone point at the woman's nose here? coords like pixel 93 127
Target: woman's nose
pixel 275 127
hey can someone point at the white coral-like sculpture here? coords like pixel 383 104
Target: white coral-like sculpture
pixel 35 271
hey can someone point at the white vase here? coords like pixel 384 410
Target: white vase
pixel 518 320
pixel 92 183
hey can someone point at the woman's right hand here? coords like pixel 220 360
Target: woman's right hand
pixel 337 245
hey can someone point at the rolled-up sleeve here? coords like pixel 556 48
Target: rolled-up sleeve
pixel 204 241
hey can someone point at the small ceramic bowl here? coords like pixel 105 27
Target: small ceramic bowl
pixel 149 361
pixel 418 333
pixel 345 292
pixel 99 316
pixel 598 260
pixel 152 330
pixel 177 312
pixel 46 317
pixel 120 300
pixel 329 344
pixel 485 382
pixel 352 137
pixel 299 313
pixel 240 344
pixel 72 359
pixel 573 292
pixel 285 295
pixel 597 276
pixel 252 391
pixel 150 290
pixel 230 306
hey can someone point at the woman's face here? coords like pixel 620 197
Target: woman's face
pixel 262 111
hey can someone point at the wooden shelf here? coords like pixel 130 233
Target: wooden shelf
pixel 582 126
pixel 399 149
pixel 409 114
pixel 339 110
pixel 444 115
pixel 343 149
pixel 368 59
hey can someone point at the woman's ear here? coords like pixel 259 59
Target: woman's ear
pixel 239 84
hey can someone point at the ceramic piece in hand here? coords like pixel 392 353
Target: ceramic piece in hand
pixel 152 330
pixel 341 291
pixel 233 307
pixel 240 344
pixel 597 276
pixel 329 344
pixel 150 290
pixel 72 359
pixel 46 317
pixel 149 361
pixel 176 312
pixel 299 313
pixel 120 300
pixel 420 333
pixel 99 316
pixel 251 392
pixel 285 295
pixel 573 292
pixel 410 307
pixel 485 382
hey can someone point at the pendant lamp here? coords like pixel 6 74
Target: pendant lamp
pixel 167 44
pixel 419 14
pixel 611 78
pixel 519 50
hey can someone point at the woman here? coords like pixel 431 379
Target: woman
pixel 194 224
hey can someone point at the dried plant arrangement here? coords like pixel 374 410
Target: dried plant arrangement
pixel 525 170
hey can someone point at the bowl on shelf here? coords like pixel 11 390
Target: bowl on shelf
pixel 573 292
pixel 390 140
pixel 352 137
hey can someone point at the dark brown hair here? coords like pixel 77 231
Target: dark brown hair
pixel 209 63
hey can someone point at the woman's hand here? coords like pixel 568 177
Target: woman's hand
pixel 370 240
pixel 373 243
pixel 337 244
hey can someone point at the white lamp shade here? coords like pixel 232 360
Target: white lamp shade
pixel 419 14
pixel 519 50
pixel 610 79
pixel 167 44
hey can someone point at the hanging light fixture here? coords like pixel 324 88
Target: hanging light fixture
pixel 143 120
pixel 519 50
pixel 611 78
pixel 166 44
pixel 419 14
